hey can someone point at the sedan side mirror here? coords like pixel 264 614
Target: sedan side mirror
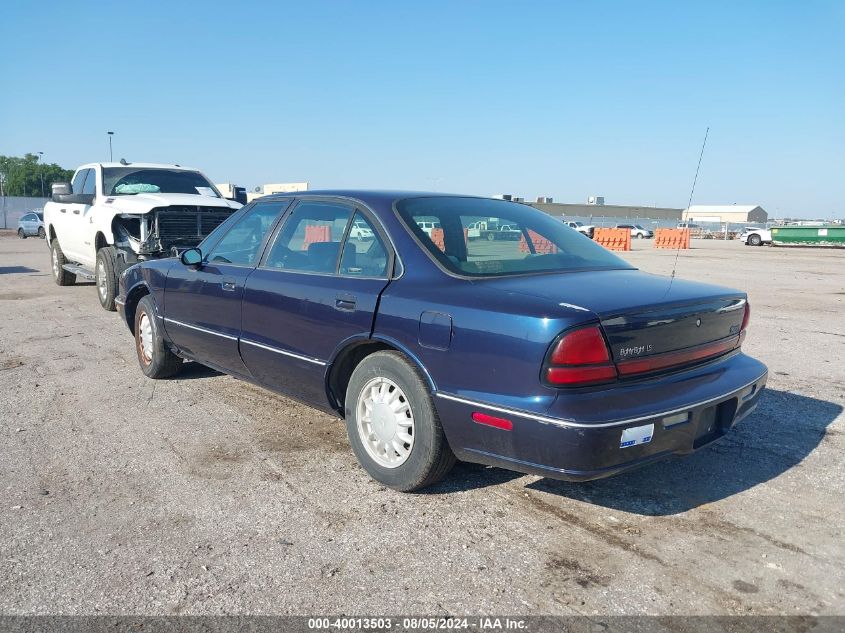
pixel 61 189
pixel 191 257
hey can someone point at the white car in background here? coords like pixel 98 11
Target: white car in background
pixel 360 231
pixel 755 236
pixel 584 229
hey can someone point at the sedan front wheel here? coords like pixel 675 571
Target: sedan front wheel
pixel 154 356
pixel 392 424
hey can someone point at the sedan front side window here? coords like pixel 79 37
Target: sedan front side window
pixel 241 244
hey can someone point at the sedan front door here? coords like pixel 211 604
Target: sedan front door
pixel 202 305
pixel 316 288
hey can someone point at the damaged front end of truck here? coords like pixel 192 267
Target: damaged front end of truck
pixel 163 231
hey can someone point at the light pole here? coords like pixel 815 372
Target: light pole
pixel 111 157
pixel 41 169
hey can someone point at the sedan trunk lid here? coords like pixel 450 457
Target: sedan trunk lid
pixel 670 322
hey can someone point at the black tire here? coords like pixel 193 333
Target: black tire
pixel 57 257
pixel 105 278
pixel 755 240
pixel 161 363
pixel 430 458
pixel 41 233
pixel 21 234
pixel 491 237
pixel 640 236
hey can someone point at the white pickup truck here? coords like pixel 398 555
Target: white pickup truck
pixel 113 215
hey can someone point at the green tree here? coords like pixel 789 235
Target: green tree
pixel 22 176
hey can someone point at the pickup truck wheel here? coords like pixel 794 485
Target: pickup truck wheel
pixel 490 237
pixel 754 240
pixel 154 357
pixel 57 259
pixel 21 234
pixel 392 424
pixel 105 278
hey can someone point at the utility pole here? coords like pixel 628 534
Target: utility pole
pixel 41 169
pixel 111 157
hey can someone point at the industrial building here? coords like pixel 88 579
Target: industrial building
pixel 271 188
pixel 726 214
pixel 608 211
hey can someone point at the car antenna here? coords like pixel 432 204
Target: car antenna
pixel 692 191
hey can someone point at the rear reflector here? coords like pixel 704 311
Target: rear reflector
pixel 680 357
pixel 580 375
pixel 491 420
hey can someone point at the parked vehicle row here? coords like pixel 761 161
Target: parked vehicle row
pixel 113 215
pixel 559 359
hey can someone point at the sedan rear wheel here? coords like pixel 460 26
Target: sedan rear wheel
pixel 21 234
pixel 392 424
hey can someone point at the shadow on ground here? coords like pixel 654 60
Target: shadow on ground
pixel 192 371
pixel 781 433
pixel 8 270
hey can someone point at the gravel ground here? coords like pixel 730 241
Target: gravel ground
pixel 205 495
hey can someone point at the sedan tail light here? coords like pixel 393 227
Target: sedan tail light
pixel 580 357
pixel 746 316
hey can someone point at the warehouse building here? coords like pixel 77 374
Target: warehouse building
pixel 608 211
pixel 726 214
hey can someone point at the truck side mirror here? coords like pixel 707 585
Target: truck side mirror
pixel 60 189
pixel 191 257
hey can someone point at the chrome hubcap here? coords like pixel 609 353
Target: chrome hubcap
pixel 385 422
pixel 55 264
pixel 101 280
pixel 145 337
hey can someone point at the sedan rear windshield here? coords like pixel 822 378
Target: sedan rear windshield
pixel 122 181
pixel 480 237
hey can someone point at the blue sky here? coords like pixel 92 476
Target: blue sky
pixel 530 98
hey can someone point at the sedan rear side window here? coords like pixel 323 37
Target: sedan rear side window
pixel 311 237
pixel 364 254
pixel 481 237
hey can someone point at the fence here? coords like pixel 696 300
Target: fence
pixel 703 230
pixel 13 207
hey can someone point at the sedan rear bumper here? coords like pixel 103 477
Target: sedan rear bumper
pixel 584 447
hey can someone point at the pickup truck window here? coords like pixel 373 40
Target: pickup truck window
pixel 79 180
pixel 118 181
pixel 90 185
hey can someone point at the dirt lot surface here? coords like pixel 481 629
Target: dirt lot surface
pixel 208 495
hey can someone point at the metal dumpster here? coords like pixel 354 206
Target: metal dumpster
pixel 829 236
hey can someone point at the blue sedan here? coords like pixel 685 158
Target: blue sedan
pixel 543 354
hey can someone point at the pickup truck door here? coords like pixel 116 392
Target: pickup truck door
pixel 315 288
pixel 76 225
pixel 202 305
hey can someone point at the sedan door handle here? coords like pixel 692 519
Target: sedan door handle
pixel 63 210
pixel 345 301
pixel 76 211
pixel 229 286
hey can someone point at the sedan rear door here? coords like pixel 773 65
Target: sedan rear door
pixel 317 287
